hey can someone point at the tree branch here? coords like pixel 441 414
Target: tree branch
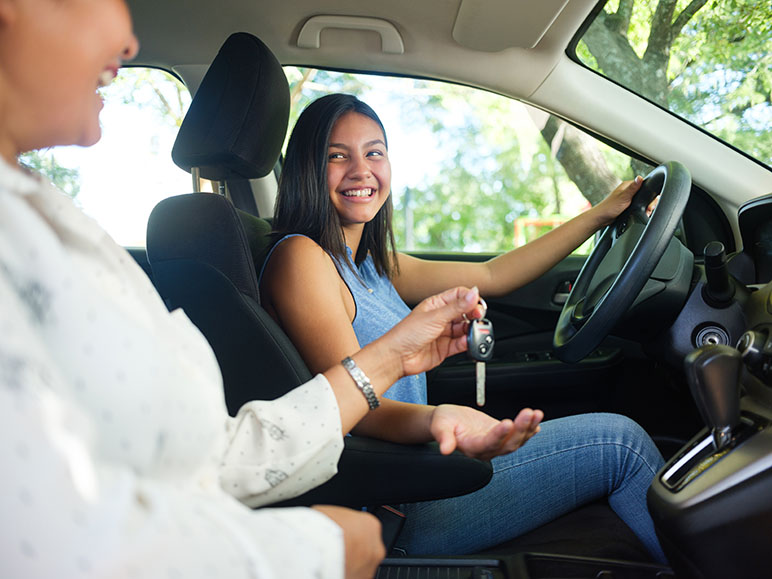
pixel 297 90
pixel 660 34
pixel 615 57
pixel 686 15
pixel 625 13
pixel 581 158
pixel 166 107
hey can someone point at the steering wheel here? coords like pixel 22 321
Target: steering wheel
pixel 621 263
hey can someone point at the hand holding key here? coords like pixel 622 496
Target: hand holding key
pixel 480 342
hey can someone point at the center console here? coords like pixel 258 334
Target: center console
pixel 712 502
pixel 521 566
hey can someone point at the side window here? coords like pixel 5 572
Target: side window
pixel 473 171
pixel 119 180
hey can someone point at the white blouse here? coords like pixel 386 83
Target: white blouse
pixel 118 456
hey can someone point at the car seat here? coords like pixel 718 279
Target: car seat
pixel 202 250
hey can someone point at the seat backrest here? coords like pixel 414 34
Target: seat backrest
pixel 197 245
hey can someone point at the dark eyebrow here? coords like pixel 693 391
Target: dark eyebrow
pixel 368 144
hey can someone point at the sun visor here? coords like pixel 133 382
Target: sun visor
pixel 494 25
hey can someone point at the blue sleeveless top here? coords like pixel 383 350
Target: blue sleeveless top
pixel 378 309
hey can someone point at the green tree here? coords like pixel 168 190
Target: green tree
pixel 150 89
pixel 708 61
pixel 309 84
pixel 487 182
pixel 44 162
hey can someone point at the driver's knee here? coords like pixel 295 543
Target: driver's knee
pixel 635 448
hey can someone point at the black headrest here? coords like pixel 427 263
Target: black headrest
pixel 237 121
pixel 205 228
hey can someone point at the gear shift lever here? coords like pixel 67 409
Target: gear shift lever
pixel 713 373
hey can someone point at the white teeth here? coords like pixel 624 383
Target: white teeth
pixel 358 193
pixel 105 78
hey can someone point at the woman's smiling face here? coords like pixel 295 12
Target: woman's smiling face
pixel 358 168
pixel 54 56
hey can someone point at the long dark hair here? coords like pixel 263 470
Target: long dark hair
pixel 303 203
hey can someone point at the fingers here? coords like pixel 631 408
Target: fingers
pixel 652 206
pixel 432 331
pixel 527 423
pixel 480 436
pixel 618 200
pixel 460 300
pixel 634 183
pixel 459 297
pixel 363 547
pixel 626 190
pixel 509 435
pixel 447 441
pixel 458 344
pixel 633 186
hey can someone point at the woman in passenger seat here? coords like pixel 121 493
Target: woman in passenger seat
pixel 335 257
pixel 118 456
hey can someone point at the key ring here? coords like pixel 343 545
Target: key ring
pixel 485 310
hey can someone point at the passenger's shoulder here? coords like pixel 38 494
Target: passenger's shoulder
pixel 301 258
pixel 299 247
pixel 298 242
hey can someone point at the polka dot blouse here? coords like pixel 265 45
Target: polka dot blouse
pixel 118 456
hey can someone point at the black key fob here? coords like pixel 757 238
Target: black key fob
pixel 480 340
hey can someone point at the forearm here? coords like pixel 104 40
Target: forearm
pixel 502 275
pixel 522 265
pixel 382 367
pixel 399 422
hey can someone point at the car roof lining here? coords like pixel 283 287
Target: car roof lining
pixel 427 29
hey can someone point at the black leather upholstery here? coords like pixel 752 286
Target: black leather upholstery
pixel 202 251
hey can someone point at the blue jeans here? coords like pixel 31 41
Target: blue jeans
pixel 571 462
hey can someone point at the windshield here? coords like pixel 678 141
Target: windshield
pixel 707 62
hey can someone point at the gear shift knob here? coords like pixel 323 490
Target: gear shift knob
pixel 713 373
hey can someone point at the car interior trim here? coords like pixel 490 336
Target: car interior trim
pixel 311 33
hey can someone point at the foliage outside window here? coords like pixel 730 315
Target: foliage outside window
pixel 474 171
pixel 709 62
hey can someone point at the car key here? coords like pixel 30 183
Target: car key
pixel 480 343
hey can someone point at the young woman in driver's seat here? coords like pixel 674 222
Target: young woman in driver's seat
pixel 335 257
